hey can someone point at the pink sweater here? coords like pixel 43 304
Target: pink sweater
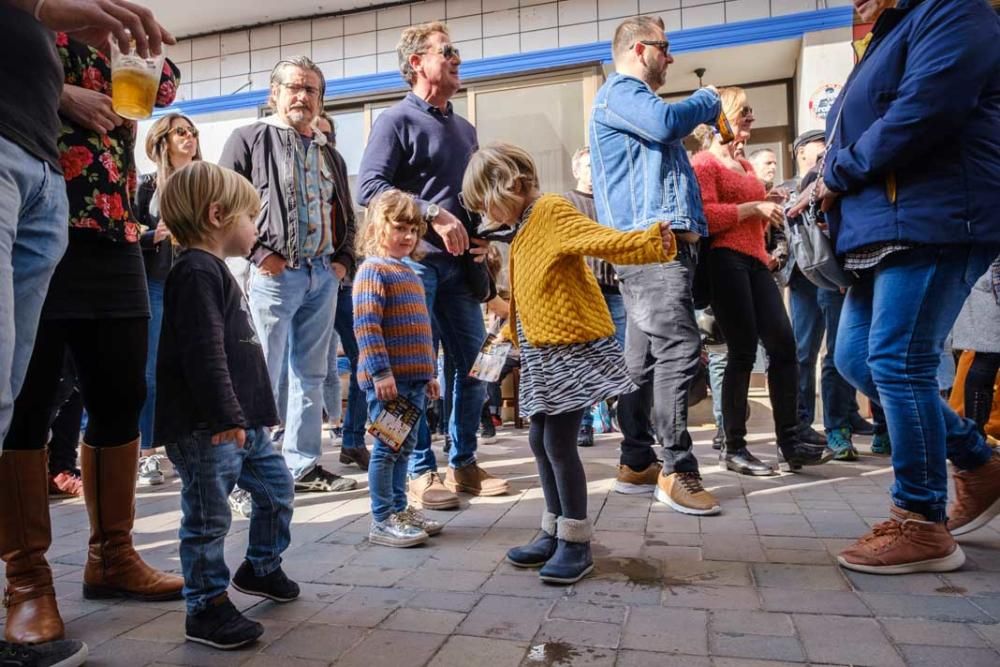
pixel 722 191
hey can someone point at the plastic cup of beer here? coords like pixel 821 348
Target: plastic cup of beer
pixel 134 82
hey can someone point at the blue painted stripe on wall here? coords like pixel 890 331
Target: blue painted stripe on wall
pixel 681 41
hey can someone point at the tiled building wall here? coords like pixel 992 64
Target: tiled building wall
pixel 364 43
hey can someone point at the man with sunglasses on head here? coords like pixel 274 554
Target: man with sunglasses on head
pixel 421 145
pixel 305 241
pixel 641 175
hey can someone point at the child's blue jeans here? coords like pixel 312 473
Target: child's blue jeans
pixel 387 469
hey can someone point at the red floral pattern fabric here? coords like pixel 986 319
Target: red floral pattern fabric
pixel 100 168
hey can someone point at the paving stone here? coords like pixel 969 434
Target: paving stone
pixel 790 525
pixel 576 611
pixel 316 641
pixel 744 662
pixel 447 601
pixel 756 646
pixel 934 633
pixel 934 656
pixel 289 612
pixel 799 577
pixel 793 543
pixel 109 622
pixel 505 618
pixel 716 573
pixel 991 633
pixel 286 661
pixel 991 605
pixel 561 653
pixel 742 548
pixel 596 590
pixel 364 575
pixel 711 597
pixel 362 607
pixel 477 561
pixel 844 640
pixel 387 647
pixel 429 577
pixel 922 583
pixel 752 623
pixel 666 631
pixel 974 583
pixel 842 603
pixel 122 652
pixel 423 620
pixel 198 655
pixel 798 557
pixel 941 607
pixel 458 651
pixel 520 586
pixel 579 633
pixel 648 659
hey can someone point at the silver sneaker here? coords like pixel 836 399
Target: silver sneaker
pixel 414 517
pixel 150 473
pixel 240 502
pixel 393 532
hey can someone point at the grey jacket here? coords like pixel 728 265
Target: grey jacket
pixel 978 325
pixel 264 154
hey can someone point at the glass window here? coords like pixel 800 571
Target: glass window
pixel 460 105
pixel 349 126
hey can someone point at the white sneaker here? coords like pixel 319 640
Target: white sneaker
pixel 240 502
pixel 415 517
pixel 394 532
pixel 149 470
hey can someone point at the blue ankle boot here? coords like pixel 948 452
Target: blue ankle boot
pixel 572 560
pixel 538 552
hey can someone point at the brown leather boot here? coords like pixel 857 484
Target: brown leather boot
pixel 25 536
pixel 114 569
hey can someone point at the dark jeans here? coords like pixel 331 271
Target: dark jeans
pixel 748 307
pixel 357 410
pixel 662 350
pixel 553 442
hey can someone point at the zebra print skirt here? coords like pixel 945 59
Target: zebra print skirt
pixel 563 378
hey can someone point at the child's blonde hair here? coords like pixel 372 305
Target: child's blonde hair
pixel 496 175
pixel 734 100
pixel 389 207
pixel 189 193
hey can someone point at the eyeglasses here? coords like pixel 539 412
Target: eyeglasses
pixel 183 132
pixel 447 52
pixel 747 110
pixel 295 89
pixel 661 44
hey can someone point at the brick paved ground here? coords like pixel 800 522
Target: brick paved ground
pixel 754 586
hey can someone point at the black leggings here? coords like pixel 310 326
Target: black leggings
pixel 979 387
pixel 66 418
pixel 110 360
pixel 748 308
pixel 553 442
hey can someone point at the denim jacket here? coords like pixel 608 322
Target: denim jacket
pixel 640 170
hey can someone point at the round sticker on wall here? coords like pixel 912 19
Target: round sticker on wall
pixel 822 99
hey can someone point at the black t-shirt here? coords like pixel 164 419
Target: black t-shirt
pixel 210 368
pixel 31 79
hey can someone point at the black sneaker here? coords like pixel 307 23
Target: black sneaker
pixel 487 432
pixel 275 586
pixel 61 653
pixel 585 438
pixel 719 438
pixel 319 480
pixel 221 625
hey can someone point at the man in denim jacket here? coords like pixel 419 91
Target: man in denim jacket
pixel 642 175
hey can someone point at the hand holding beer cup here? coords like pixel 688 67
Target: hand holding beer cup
pixel 134 82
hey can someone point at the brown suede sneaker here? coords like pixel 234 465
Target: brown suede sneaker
pixel 474 480
pixel 633 482
pixel 904 544
pixel 428 492
pixel 977 497
pixel 684 493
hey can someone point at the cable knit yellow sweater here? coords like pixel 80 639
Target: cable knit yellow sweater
pixel 552 290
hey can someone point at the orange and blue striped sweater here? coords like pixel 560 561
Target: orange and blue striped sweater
pixel 391 323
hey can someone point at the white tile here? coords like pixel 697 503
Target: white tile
pixel 185 70
pixel 540 17
pixel 386 40
pixel 387 62
pixel 529 3
pixel 265 37
pixel 355 23
pixel 671 20
pixel 501 46
pixel 779 7
pixel 694 3
pixel 497 5
pixel 609 9
pixel 233 84
pixel 328 49
pixel 359 45
pixel 471 50
pixel 462 8
pixel 260 81
pixel 205 47
pixel 500 23
pixel 539 40
pixel 606 29
pixel 360 66
pixel 466 28
pixel 264 60
pixel 581 33
pixel 235 64
pixel 332 69
pixel 294 32
pixel 293 50
pixel 393 17
pixel 183 93
pixel 577 11
pixel 205 89
pixel 696 17
pixel 235 42
pixel 745 10
pixel 207 68
pixel 328 26
pixel 656 6
pixel 424 12
pixel 179 52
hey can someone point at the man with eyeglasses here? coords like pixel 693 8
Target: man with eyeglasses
pixel 305 241
pixel 421 145
pixel 641 175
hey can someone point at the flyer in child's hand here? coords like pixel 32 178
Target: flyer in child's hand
pixel 492 355
pixel 395 422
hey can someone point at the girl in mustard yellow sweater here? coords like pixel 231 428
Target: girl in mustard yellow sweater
pixel 569 357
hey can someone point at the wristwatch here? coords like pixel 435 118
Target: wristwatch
pixel 432 213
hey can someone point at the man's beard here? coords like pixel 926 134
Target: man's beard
pixel 655 78
pixel 298 116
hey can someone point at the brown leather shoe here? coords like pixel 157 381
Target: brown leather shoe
pixel 474 480
pixel 429 493
pixel 25 536
pixel 633 482
pixel 113 568
pixel 906 543
pixel 977 497
pixel 684 493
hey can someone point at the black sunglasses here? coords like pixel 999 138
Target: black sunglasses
pixel 447 52
pixel 183 132
pixel 661 44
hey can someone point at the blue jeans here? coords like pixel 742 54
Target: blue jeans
pixel 892 330
pixel 208 474
pixel 387 469
pixel 293 315
pixel 33 238
pixel 458 319
pixel 155 324
pixel 355 416
pixel 616 306
pixel 816 311
pixel 716 371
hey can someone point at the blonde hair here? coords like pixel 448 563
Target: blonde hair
pixel 733 100
pixel 578 158
pixel 392 206
pixel 412 41
pixel 158 148
pixel 633 29
pixel 495 176
pixel 191 191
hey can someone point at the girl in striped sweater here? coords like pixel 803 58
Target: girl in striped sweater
pixel 396 357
